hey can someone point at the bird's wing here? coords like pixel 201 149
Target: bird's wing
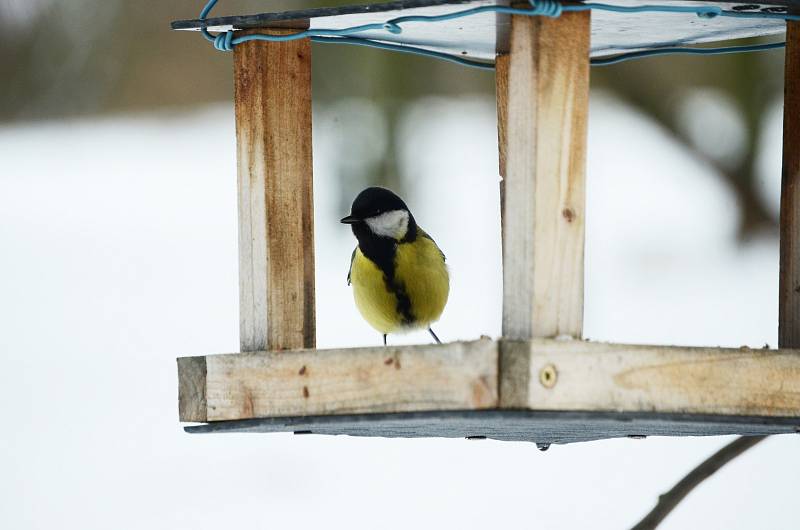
pixel 350 270
pixel 424 234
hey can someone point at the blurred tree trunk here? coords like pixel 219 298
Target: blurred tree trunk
pixel 654 87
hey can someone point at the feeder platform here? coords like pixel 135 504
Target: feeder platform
pixel 529 385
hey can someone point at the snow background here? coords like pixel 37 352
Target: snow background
pixel 118 254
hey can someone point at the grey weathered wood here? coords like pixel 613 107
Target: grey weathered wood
pixel 192 404
pixel 789 288
pixel 543 217
pixel 366 380
pixel 272 82
pixel 515 373
pixel 543 427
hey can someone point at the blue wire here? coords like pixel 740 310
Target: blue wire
pixel 605 61
pixel 601 61
pixel 406 49
pixel 225 41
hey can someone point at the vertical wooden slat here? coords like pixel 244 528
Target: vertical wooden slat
pixel 548 94
pixel 276 216
pixel 789 288
pixel 501 96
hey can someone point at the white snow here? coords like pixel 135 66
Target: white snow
pixel 118 254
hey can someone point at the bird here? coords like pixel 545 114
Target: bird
pixel 397 271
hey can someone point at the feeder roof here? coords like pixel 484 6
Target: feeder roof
pixel 483 35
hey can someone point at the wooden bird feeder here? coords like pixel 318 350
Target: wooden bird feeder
pixel 531 384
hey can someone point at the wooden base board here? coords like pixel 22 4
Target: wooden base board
pixel 541 427
pixel 549 391
pixel 459 375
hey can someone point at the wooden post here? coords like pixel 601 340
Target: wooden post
pixel 548 97
pixel 276 214
pixel 789 289
pixel 501 96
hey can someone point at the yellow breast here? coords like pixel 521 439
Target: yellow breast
pixel 419 271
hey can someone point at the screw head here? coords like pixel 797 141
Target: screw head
pixel 548 375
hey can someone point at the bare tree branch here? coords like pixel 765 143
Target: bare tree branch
pixel 669 500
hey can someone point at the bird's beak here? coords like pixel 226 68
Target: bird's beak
pixel 350 220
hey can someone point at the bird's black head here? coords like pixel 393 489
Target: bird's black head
pixel 372 202
pixel 380 213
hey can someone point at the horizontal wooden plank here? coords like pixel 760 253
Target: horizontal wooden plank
pixel 460 375
pixel 586 376
pixel 547 391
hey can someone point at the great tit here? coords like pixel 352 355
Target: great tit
pixel 398 273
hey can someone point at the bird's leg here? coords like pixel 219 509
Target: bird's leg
pixel 384 339
pixel 434 336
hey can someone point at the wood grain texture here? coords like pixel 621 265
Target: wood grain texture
pixel 543 236
pixel 276 214
pixel 789 288
pixel 501 64
pixel 515 370
pixel 501 96
pixel 560 376
pixel 628 378
pixel 192 404
pixel 364 380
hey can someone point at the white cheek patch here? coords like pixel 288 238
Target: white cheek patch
pixel 389 224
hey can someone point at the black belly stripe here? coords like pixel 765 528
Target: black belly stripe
pixel 388 266
pixel 382 252
pixel 403 301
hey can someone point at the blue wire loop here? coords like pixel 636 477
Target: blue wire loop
pixel 226 40
pixel 546 8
